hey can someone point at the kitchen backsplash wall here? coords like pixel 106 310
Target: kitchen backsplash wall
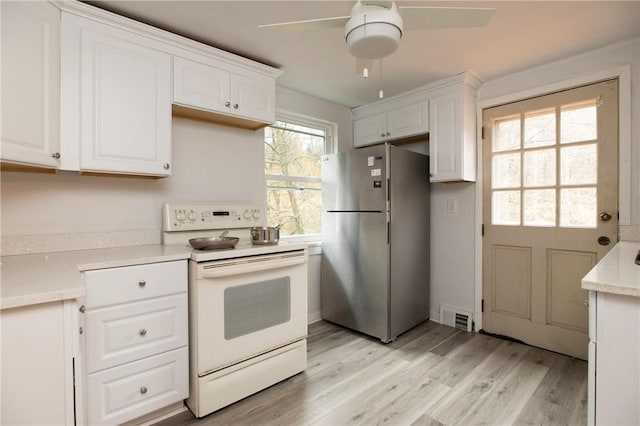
pixel 210 162
pixel 67 211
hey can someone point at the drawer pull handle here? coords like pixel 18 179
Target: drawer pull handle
pixel 142 283
pixel 143 389
pixel 142 331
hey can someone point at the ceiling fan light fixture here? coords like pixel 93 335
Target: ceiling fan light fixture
pixel 373 40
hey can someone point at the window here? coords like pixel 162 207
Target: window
pixel 544 167
pixel 293 148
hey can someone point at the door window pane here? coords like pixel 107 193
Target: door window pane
pixel 506 208
pixel 579 165
pixel 506 171
pixel 578 123
pixel 540 207
pixel 506 135
pixel 540 129
pixel 540 168
pixel 578 207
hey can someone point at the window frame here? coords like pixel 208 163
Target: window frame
pixel 330 130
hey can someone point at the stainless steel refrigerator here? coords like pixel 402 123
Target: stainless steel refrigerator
pixel 375 240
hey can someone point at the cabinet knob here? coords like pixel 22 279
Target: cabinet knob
pixel 388 134
pixel 143 390
pixel 142 331
pixel 56 155
pixel 382 135
pixel 142 283
pixel 167 166
pixel 235 106
pixel 227 104
pixel 81 330
pixel 82 309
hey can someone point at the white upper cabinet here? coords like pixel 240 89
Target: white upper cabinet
pixel 384 122
pixel 30 84
pixel 116 101
pixel 229 94
pixel 452 133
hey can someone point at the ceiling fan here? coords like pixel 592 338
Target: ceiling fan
pixel 375 27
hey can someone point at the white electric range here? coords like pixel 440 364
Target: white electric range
pixel 247 305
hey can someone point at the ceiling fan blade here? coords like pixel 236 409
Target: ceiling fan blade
pixel 445 17
pixel 361 64
pixel 310 24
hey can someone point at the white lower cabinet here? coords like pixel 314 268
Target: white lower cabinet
pixel 38 352
pixel 614 359
pixel 135 340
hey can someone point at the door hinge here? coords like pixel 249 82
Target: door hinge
pixel 482 231
pixel 482 133
pixel 482 305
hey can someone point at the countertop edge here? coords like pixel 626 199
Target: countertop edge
pixel 41 298
pixel 610 288
pixel 118 263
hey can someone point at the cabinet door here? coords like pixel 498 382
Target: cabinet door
pixel 370 130
pixel 452 137
pixel 120 102
pixel 444 137
pixel 30 83
pixel 200 86
pixel 253 97
pixel 37 377
pixel 407 121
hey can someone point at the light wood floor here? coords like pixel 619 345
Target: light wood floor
pixel 431 375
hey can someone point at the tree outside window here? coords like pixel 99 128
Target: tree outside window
pixel 293 152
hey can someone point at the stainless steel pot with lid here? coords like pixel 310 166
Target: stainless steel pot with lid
pixel 265 235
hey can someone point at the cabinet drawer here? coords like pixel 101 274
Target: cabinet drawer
pixel 116 285
pixel 133 390
pixel 120 334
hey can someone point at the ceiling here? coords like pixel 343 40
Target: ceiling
pixel 520 35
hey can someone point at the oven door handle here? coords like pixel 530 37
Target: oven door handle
pixel 246 267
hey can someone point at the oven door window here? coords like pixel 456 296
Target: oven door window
pixel 253 307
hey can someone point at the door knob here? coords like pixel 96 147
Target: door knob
pixel 605 217
pixel 604 241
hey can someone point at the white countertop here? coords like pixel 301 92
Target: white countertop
pixel 48 277
pixel 617 272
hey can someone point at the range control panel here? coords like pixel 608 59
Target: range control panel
pixel 195 216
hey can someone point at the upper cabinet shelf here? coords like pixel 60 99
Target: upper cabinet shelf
pixel 445 109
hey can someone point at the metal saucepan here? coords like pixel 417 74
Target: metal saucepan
pixel 214 243
pixel 265 235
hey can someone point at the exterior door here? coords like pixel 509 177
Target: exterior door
pixel 550 212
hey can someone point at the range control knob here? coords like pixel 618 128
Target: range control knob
pixel 180 215
pixel 192 215
pixel 247 215
pixel 256 214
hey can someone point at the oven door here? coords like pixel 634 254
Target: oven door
pixel 243 307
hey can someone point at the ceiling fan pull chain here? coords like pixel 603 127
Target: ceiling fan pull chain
pixel 380 93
